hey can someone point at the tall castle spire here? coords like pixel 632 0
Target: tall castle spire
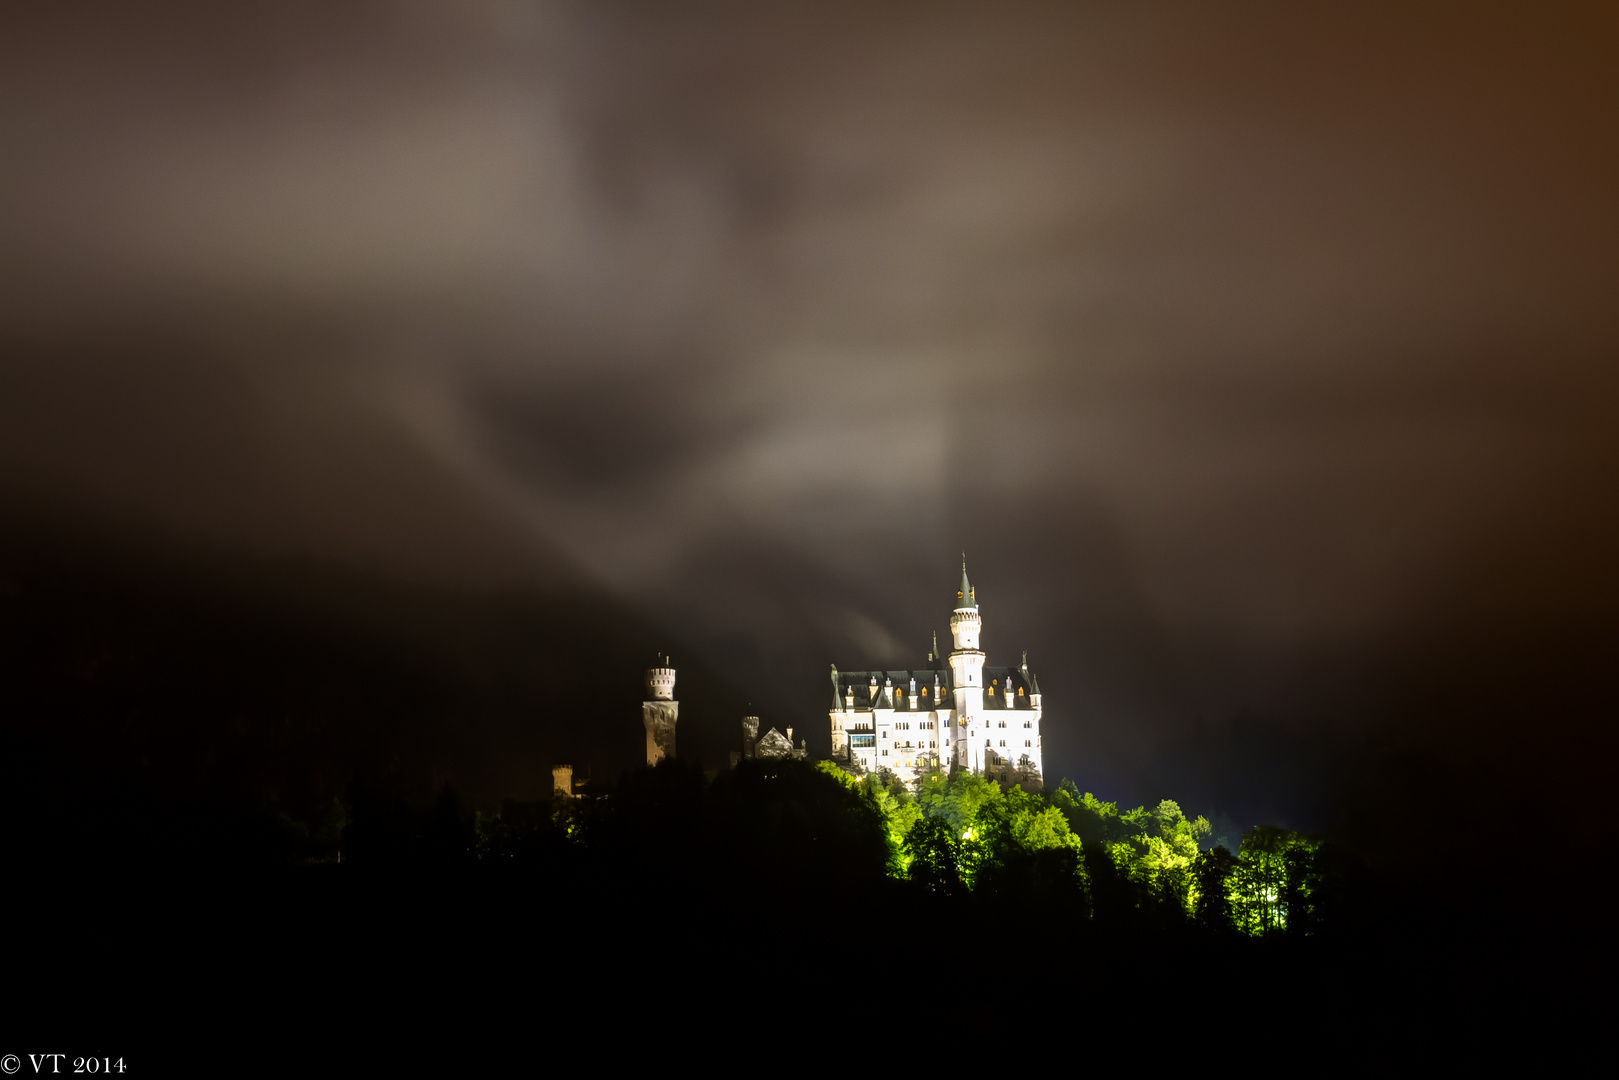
pixel 964 595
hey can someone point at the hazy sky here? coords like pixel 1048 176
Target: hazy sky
pixel 1261 357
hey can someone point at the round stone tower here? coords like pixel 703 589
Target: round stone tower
pixel 967 668
pixel 660 714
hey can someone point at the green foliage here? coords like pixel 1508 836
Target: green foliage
pixel 791 826
pixel 990 830
pixel 1034 825
pixel 1153 848
pixel 1092 820
pixel 960 799
pixel 1211 897
pixel 837 774
pixel 935 856
pixel 1271 887
pixel 899 812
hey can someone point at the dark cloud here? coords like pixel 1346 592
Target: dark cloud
pixel 1252 355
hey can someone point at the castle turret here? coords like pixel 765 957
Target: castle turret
pixel 750 735
pixel 660 714
pixel 840 737
pixel 660 681
pixel 964 621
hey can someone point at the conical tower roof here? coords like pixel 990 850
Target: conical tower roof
pixel 964 596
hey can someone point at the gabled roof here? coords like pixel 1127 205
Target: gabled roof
pixel 772 744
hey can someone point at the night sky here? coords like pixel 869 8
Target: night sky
pixel 1260 357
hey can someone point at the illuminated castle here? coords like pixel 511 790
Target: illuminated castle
pixel 954 714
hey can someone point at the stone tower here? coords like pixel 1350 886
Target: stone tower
pixel 562 780
pixel 659 714
pixel 967 668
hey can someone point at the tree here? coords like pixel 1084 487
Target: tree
pixel 959 800
pixel 1272 883
pixel 1211 902
pixel 899 812
pixel 933 850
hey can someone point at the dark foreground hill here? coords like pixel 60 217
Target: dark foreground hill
pixel 752 918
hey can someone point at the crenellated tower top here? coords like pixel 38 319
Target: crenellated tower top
pixel 660 680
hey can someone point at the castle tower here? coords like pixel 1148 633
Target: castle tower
pixel 660 714
pixel 750 735
pixel 967 667
pixel 840 737
pixel 562 780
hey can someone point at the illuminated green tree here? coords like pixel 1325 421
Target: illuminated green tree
pixel 933 850
pixel 958 800
pixel 900 813
pixel 1211 900
pixel 1272 885
pixel 1093 821
pixel 1032 824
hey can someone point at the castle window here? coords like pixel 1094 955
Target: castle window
pixel 1020 691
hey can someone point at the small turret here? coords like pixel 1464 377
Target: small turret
pixel 965 621
pixel 660 680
